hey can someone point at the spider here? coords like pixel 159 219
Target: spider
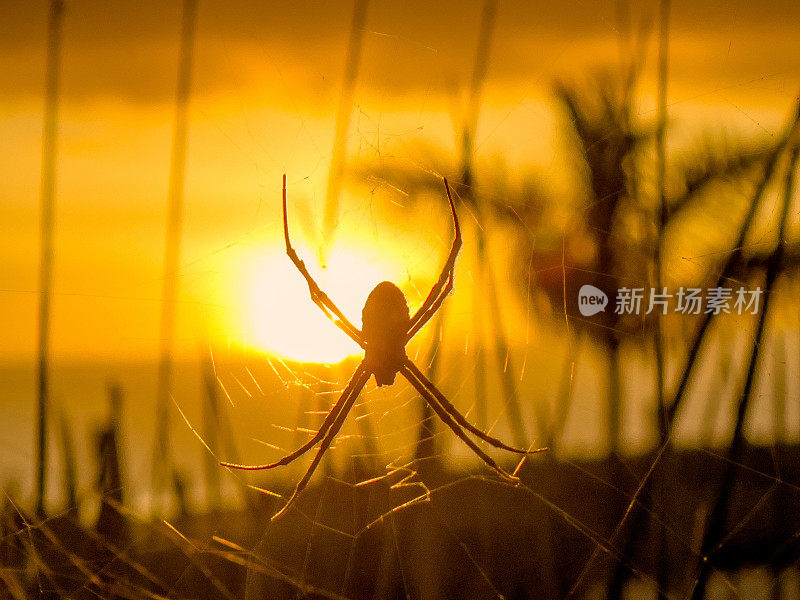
pixel 387 328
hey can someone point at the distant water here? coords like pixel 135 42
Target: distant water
pixel 262 401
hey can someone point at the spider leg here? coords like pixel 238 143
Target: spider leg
pixel 461 419
pixel 424 313
pixel 360 378
pixel 448 420
pixel 423 320
pixel 323 430
pixel 319 297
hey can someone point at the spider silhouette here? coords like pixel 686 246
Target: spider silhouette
pixel 388 327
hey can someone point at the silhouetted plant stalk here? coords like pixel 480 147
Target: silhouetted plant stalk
pixel 714 533
pixel 485 302
pixel 661 162
pixel 369 461
pixel 659 341
pixel 643 498
pixel 68 460
pixel 486 285
pixel 610 142
pixel 111 520
pixel 780 431
pixel 783 500
pixel 218 437
pixel 734 259
pixel 725 377
pixel 48 193
pixel 336 172
pixel 484 282
pixel 563 398
pixel 607 143
pixel 177 175
pixel 426 436
pixel 343 112
pixel 480 68
pixel 211 435
pixel 427 430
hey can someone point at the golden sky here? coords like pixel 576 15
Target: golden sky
pixel 266 84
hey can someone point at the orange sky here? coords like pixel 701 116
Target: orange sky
pixel 266 85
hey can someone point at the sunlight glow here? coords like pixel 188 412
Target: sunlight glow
pixel 281 317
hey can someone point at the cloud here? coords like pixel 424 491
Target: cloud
pixel 295 50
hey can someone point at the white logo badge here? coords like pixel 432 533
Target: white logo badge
pixel 591 300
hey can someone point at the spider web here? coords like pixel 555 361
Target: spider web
pixel 385 523
pixel 399 506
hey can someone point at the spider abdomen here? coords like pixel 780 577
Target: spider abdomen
pixel 385 324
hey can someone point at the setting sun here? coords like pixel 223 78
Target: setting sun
pixel 281 318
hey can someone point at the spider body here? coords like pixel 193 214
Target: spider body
pixel 387 328
pixel 385 323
